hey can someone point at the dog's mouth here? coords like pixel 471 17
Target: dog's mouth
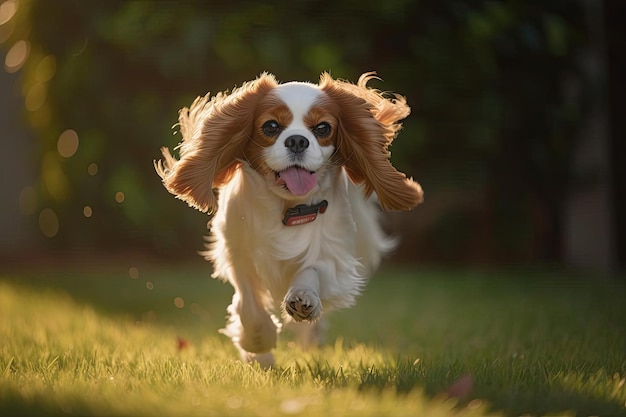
pixel 298 180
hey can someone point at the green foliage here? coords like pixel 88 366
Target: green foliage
pixel 106 342
pixel 492 85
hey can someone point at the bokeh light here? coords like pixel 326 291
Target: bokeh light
pixel 48 222
pixel 7 10
pixel 87 211
pixel 119 197
pixel 133 272
pixel 179 302
pixel 46 69
pixel 54 178
pixel 35 97
pixel 67 145
pixel 16 56
pixel 92 169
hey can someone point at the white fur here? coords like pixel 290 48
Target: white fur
pixel 300 97
pixel 324 263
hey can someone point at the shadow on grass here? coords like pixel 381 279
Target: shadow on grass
pixel 454 324
pixel 13 404
pixel 512 398
pixel 142 290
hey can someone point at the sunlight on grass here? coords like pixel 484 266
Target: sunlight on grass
pixel 87 346
pixel 60 355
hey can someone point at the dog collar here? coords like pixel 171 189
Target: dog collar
pixel 302 213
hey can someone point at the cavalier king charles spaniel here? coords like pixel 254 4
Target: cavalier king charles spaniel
pixel 301 171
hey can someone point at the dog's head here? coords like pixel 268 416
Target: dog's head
pixel 290 134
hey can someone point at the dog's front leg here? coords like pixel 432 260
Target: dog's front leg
pixel 302 301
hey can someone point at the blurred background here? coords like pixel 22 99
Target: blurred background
pixel 515 132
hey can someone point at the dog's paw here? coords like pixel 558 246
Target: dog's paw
pixel 258 334
pixel 302 305
pixel 265 360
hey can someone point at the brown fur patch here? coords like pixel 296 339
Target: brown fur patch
pixel 215 132
pixel 368 123
pixel 322 113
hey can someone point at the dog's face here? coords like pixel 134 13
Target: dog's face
pixel 290 134
pixel 293 139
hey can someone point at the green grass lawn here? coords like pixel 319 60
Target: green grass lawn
pixel 134 339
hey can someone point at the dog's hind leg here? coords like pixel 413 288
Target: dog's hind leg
pixel 252 329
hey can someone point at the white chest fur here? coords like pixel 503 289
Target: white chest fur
pixel 248 232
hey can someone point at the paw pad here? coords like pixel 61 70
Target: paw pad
pixel 302 305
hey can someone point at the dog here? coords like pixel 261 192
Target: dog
pixel 295 175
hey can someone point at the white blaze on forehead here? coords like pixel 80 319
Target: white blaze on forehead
pixel 297 173
pixel 299 97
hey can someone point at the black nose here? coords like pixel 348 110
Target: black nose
pixel 297 143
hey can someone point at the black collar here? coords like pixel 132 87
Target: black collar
pixel 302 213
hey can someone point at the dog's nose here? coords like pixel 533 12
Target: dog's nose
pixel 297 143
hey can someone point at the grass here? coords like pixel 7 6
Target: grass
pixel 129 339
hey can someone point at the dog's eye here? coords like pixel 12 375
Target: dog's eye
pixel 270 128
pixel 322 130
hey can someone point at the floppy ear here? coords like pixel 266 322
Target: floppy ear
pixel 214 132
pixel 368 123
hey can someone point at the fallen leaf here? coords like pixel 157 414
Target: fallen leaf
pixel 462 387
pixel 181 343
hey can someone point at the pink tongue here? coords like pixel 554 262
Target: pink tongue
pixel 299 180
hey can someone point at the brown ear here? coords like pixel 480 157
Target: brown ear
pixel 368 123
pixel 214 133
